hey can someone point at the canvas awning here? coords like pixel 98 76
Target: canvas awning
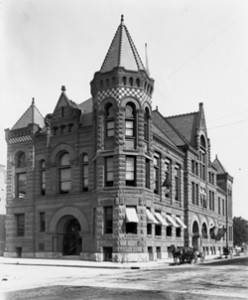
pixel 150 217
pixel 171 221
pixel 161 219
pixel 131 215
pixel 180 222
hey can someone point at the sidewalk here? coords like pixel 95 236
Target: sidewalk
pixel 77 263
pixel 85 264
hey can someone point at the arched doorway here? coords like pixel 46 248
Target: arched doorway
pixel 69 229
pixel 195 235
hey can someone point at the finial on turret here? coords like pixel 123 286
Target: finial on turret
pixel 122 19
pixel 32 101
pixel 63 89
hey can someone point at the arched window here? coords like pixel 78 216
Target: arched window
pixel 43 177
pixel 110 124
pixel 20 160
pixel 85 172
pixel 130 120
pixel 64 173
pixel 146 125
pixel 204 231
pixel 20 174
pixel 203 157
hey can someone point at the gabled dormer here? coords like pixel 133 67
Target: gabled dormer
pixel 65 117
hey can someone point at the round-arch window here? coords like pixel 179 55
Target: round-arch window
pixel 21 160
pixel 203 142
pixel 65 160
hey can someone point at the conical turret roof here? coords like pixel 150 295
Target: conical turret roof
pixel 31 116
pixel 122 52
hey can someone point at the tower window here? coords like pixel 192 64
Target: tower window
pixel 130 171
pixel 109 171
pixel 109 117
pixel 20 174
pixel 130 120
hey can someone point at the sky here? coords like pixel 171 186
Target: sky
pixel 197 52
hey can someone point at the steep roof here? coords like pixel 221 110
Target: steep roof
pixel 30 116
pixel 160 122
pixel 186 124
pixel 218 166
pixel 122 52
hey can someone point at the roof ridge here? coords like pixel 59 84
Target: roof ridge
pixel 182 115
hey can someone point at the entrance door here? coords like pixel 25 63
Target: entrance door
pixel 72 242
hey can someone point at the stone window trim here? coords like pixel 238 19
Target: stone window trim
pixel 85 172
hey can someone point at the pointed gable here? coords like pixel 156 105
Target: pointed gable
pixel 122 52
pixel 30 116
pixel 189 125
pixel 218 166
pixel 65 107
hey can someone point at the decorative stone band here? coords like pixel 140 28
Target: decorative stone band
pixel 121 92
pixel 20 139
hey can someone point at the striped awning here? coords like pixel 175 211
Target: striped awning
pixel 131 215
pixel 180 222
pixel 150 217
pixel 161 219
pixel 172 221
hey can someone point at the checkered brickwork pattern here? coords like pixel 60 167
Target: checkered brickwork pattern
pixel 20 139
pixel 121 92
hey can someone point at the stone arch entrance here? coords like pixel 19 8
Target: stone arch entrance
pixel 69 230
pixel 69 227
pixel 195 234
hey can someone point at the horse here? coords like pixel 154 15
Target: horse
pixel 176 253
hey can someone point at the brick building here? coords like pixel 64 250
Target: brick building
pixel 110 179
pixel 2 208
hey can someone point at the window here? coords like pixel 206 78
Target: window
pixel 147 173
pixel 178 232
pixel 42 222
pixel 177 182
pixel 131 220
pixel 219 206
pixel 169 231
pixel 149 228
pixel 130 171
pixel 108 219
pixel 156 162
pixel 85 172
pixel 109 171
pixel 42 177
pixel 204 231
pixel 211 200
pixel 158 229
pixel 146 125
pixel 197 194
pixel 21 181
pixel 64 173
pixel 110 124
pixel 167 182
pixel 130 120
pixel 193 192
pixel 20 224
pixel 21 176
pixel 223 207
pixel 203 165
